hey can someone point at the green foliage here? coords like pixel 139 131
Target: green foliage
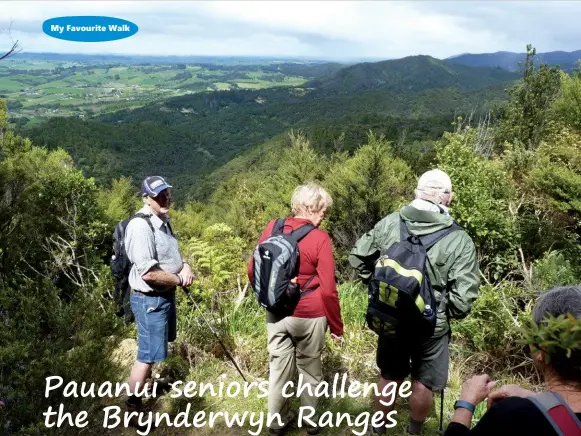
pixel 44 335
pixel 3 115
pixel 365 188
pixel 567 106
pixel 409 74
pixel 558 172
pixel 489 335
pixel 51 220
pixel 13 144
pixel 553 269
pixel 53 239
pixel 248 201
pixel 553 335
pixel 120 201
pixel 525 118
pixel 419 155
pixel 215 259
pixel 299 163
pixel 521 207
pixel 190 221
pixel 482 196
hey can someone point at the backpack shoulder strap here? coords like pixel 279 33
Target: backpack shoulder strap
pixel 558 413
pixel 146 217
pixel 428 241
pixel 302 231
pixel 278 226
pixel 404 232
pixel 170 229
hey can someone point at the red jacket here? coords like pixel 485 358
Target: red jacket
pixel 316 259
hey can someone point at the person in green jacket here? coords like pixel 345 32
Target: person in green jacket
pixel 454 275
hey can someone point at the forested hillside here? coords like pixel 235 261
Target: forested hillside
pixel 410 74
pixel 516 178
pixel 188 137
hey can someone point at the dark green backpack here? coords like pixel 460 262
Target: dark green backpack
pixel 401 300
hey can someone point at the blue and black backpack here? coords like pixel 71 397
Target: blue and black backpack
pixel 276 263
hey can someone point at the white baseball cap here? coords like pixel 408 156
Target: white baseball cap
pixel 435 180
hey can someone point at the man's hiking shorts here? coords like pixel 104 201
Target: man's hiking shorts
pixel 427 362
pixel 155 316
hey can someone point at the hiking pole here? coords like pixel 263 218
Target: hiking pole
pixel 441 429
pixel 187 292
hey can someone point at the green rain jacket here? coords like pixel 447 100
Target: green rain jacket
pixel 452 268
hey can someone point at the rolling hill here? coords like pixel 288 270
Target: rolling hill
pixel 410 74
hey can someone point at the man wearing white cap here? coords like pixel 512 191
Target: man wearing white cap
pixel 452 270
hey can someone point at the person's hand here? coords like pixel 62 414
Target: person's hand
pixel 337 340
pixel 477 388
pixel 187 275
pixel 508 391
pixel 2 404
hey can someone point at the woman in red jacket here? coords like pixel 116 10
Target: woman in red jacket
pixel 298 340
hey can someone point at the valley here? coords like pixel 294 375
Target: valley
pixel 189 120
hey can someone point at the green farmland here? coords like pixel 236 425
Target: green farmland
pixel 37 89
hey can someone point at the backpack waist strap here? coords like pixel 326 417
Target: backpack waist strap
pixel 308 291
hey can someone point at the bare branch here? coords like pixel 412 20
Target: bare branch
pixel 15 49
pixel 68 256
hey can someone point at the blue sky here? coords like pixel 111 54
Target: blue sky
pixel 340 30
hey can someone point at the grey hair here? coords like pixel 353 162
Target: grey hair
pixel 558 301
pixel 441 196
pixel 312 197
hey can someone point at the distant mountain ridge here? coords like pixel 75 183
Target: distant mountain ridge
pixel 509 60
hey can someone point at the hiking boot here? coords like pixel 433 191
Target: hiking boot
pixel 407 430
pixel 313 430
pixel 164 385
pixel 134 420
pixel 280 431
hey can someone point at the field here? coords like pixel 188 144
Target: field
pixel 37 89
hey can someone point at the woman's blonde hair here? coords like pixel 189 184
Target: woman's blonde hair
pixel 310 197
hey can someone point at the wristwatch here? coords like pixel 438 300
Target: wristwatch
pixel 464 404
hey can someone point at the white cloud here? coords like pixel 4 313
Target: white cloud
pixel 341 29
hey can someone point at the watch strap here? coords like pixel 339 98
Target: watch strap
pixel 464 404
